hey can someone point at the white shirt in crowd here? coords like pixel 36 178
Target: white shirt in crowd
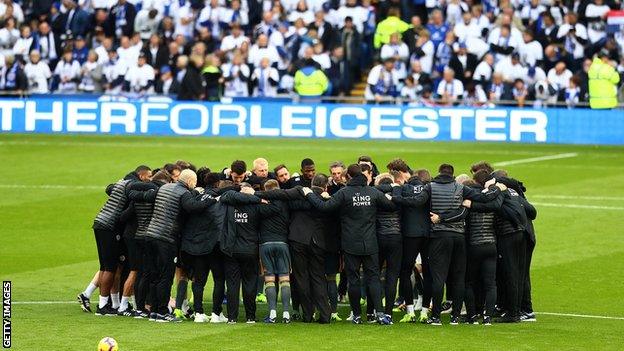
pixel 68 71
pixel 378 74
pixel 531 52
pixel 139 77
pixel 22 46
pixel 572 45
pixel 463 31
pixel 427 61
pixel 146 26
pixel 235 87
pixel 180 15
pixel 256 54
pixel 402 51
pixel 454 88
pixel 87 83
pixel 8 37
pixel 596 30
pixel 483 71
pixel 129 56
pixel 561 81
pixel 212 15
pixel 38 75
pixel 230 42
pixel 510 41
pixel 306 16
pixel 510 71
pixel 264 88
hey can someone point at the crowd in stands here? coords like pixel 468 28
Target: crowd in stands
pixel 432 51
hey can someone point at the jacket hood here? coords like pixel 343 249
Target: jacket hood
pixel 131 176
pixel 358 180
pixel 308 70
pixel 415 181
pixel 443 178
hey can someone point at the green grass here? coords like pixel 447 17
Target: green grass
pixel 47 248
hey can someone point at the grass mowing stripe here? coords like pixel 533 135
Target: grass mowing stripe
pixel 536 159
pixel 584 207
pixel 579 197
pixel 52 186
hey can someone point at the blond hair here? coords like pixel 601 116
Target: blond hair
pixel 383 176
pixel 260 162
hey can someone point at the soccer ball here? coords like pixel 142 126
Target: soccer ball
pixel 108 344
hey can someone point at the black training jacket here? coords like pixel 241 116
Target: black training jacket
pixel 415 221
pixel 358 204
pixel 480 229
pixel 514 214
pixel 109 216
pixel 142 209
pixel 388 222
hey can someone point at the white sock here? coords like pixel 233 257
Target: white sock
pixel 89 290
pixel 272 314
pixel 103 301
pixel 286 314
pixel 115 298
pixel 410 309
pixel 124 303
pixel 424 311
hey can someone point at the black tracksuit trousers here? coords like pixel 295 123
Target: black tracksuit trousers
pixel 308 264
pixel 481 277
pixel 142 282
pixel 370 265
pixel 161 256
pixel 511 250
pixel 527 305
pixel 241 267
pixel 201 266
pixel 411 248
pixel 447 257
pixel 390 253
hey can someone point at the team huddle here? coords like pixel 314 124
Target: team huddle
pixel 399 241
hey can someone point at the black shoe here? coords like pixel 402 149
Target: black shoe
pixel 447 306
pixel 508 319
pixel 498 312
pixel 127 313
pixel 295 316
pixel 168 318
pixel 357 320
pixel 153 316
pixel 433 321
pixel 528 317
pixel 140 315
pixel 487 320
pixel 472 320
pixel 286 320
pixel 84 302
pixel 371 318
pixel 105 311
pixel 454 320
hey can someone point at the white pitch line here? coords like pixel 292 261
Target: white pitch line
pixel 542 313
pixel 536 159
pixel 579 197
pixel 587 207
pixel 579 315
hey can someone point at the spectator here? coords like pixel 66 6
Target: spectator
pixel 165 84
pixel 467 27
pixel 424 51
pixel 603 80
pixel 502 42
pixel 382 83
pixel 302 12
pixel 474 95
pixel 498 90
pixel 519 92
pixel 547 30
pixel 399 51
pixel 531 53
pixel 463 63
pixel 236 75
pixel 183 17
pixel 390 25
pixel 213 77
pixel 339 73
pixel 530 13
pixel 155 53
pixel 235 14
pixel 191 87
pixel 121 19
pixel 127 53
pixel 38 73
pixel 422 79
pixel 23 44
pixel 146 22
pixel 13 79
pixel 484 70
pixel 437 28
pixel 559 77
pixel 574 37
pixel 114 72
pixel 233 41
pixel 265 79
pixel 411 35
pixel 80 51
pixel 140 77
pixel 444 53
pixel 572 92
pixel 92 74
pixel 67 73
pixel 48 44
pixel 9 34
pixel 450 90
pixel 262 50
pixel 595 15
pixel 321 56
pixel 327 34
pixel 511 68
pixel 75 20
pixel 351 41
pixel 310 81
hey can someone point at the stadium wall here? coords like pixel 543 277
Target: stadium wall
pixel 62 114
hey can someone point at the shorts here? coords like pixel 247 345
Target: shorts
pixel 332 263
pixel 130 254
pixel 275 258
pixel 107 243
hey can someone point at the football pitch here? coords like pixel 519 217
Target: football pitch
pixel 53 186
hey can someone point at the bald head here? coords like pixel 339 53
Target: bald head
pixel 189 178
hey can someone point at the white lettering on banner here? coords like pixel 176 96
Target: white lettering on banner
pixel 218 120
pixel 335 122
pixel 490 119
pixel 377 123
pixel 516 128
pixel 32 116
pixel 174 121
pixel 289 121
pixel 456 115
pixel 255 123
pixel 127 119
pixel 7 113
pixel 76 113
pixel 411 121
pixel 147 116
pixel 321 122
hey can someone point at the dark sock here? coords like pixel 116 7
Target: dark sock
pixel 271 295
pixel 181 293
pixel 332 291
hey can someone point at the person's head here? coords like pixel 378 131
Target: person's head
pixel 320 180
pixel 515 58
pixel 364 159
pixel 384 178
pixel 271 184
pixel 395 38
pixel 67 55
pixel 308 169
pixel 174 170
pixel 481 165
pixel 448 75
pixel 467 17
pixel 92 56
pixel 548 19
pixel 416 66
pixel 267 16
pixel 281 173
pixel 399 166
pixel 336 169
pixel 124 42
pixel 44 28
pixel 182 62
pixel 263 40
pixel 354 170
pixel 237 171
pixel 246 188
pixel 575 81
pixel 236 29
pixel 318 48
pixel 189 178
pixel 423 175
pixel 416 21
pixel 265 63
pixel 505 31
pixel 367 171
pixel 260 167
pixel 489 59
pixel 460 179
pixel 603 55
pixel 35 56
pixel 560 67
pixel 388 64
pixel 519 84
pixel 162 176
pixel 497 78
pixel 528 36
pixel 571 18
pixel 338 52
pixel 462 49
pixel 481 176
pixel 198 61
pixel 348 23
pixel 144 173
pixel 142 59
pixel 25 31
pixel 436 17
pixel 446 169
pixel 183 164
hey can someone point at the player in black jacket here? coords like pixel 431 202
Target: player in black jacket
pixel 358 204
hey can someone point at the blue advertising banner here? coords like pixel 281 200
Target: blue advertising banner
pixel 287 119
